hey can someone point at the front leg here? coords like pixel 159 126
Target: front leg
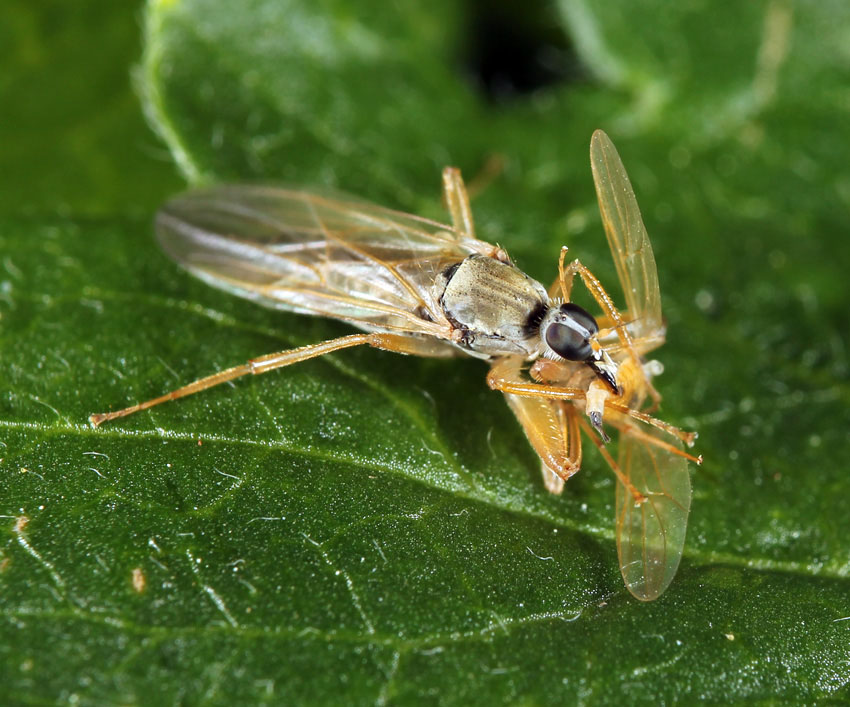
pixel 602 298
pixel 505 376
pixel 550 422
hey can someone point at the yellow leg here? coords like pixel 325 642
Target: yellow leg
pixel 504 376
pixel 600 295
pixel 686 437
pixel 637 495
pixel 613 318
pixel 566 284
pixel 555 437
pixel 457 201
pixel 263 364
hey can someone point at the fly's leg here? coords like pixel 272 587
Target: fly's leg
pixel 612 314
pixel 562 287
pixel 263 364
pixel 568 433
pixel 504 376
pixel 599 294
pixel 457 201
pixel 550 425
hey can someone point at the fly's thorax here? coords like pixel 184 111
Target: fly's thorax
pixel 495 308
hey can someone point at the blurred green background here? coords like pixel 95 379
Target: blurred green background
pixel 372 528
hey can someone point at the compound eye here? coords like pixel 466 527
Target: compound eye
pixel 570 333
pixel 580 316
pixel 569 341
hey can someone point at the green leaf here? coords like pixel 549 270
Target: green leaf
pixel 370 528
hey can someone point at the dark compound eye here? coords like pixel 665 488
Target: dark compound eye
pixel 569 337
pixel 580 316
pixel 568 343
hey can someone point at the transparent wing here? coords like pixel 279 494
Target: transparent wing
pixel 301 251
pixel 627 238
pixel 651 536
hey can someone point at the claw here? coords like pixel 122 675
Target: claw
pixel 596 421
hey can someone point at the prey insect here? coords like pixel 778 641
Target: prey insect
pixel 415 286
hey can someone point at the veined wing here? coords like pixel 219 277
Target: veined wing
pixel 322 255
pixel 627 238
pixel 651 536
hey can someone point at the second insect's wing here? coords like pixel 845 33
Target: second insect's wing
pixel 322 255
pixel 628 240
pixel 651 535
pixel 552 429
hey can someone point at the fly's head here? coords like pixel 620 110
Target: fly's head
pixel 569 332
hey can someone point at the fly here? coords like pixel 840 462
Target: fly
pixel 419 287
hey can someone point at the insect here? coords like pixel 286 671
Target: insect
pixel 415 286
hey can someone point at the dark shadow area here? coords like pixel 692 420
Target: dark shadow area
pixel 513 49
